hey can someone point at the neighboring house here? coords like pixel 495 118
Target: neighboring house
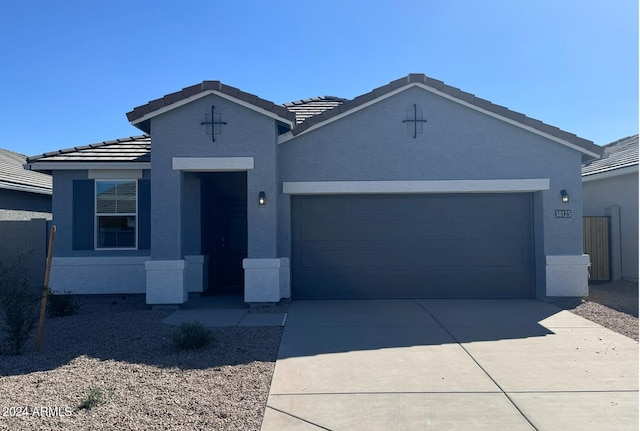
pixel 415 189
pixel 23 194
pixel 610 188
pixel 25 207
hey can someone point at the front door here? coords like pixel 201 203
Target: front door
pixel 230 245
pixel 224 229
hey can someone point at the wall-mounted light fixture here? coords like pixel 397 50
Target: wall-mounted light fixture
pixel 565 196
pixel 262 199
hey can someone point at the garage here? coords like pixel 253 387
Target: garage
pixel 412 246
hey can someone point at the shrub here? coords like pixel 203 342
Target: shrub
pixel 18 302
pixel 191 336
pixel 63 304
pixel 95 397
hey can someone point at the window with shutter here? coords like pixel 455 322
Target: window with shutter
pixel 116 214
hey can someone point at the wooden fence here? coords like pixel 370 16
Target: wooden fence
pixel 596 242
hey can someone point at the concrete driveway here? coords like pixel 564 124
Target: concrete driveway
pixel 450 365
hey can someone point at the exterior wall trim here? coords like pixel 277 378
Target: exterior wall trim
pixel 446 186
pixel 212 164
pixel 111 174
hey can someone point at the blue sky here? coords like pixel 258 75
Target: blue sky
pixel 70 70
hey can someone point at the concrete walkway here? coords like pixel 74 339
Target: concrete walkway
pixel 222 311
pixel 450 365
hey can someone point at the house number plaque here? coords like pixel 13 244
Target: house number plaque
pixel 563 213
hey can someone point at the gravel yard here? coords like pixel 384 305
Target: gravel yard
pixel 116 345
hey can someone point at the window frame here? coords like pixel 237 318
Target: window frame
pixel 98 215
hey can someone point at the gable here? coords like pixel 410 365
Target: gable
pixel 457 142
pixel 587 148
pixel 141 115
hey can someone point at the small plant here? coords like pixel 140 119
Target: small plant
pixel 191 336
pixel 62 304
pixel 18 303
pixel 95 397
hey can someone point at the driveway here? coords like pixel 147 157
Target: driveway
pixel 450 365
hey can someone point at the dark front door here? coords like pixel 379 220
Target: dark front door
pixel 224 229
pixel 230 245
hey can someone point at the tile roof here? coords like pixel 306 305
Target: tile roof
pixel 307 108
pixel 305 113
pixel 617 155
pixel 139 112
pixel 131 149
pixel 13 176
pixel 419 78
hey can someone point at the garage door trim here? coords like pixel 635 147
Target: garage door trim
pixel 418 186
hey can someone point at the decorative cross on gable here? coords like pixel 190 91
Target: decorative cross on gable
pixel 214 123
pixel 415 116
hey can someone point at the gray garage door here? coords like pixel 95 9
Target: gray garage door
pixel 412 246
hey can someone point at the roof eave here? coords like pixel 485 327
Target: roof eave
pixel 610 173
pixel 25 188
pixel 84 165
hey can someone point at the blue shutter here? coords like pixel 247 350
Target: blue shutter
pixel 83 214
pixel 144 214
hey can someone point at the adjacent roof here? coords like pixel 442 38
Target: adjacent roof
pixel 306 108
pixel 14 177
pixel 141 115
pixel 617 155
pixel 590 149
pixel 132 150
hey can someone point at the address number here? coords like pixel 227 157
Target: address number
pixel 563 213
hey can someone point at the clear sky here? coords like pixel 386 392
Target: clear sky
pixel 71 69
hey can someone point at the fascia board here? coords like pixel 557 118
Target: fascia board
pixel 75 166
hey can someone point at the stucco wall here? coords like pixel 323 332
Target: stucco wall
pixel 16 205
pixel 621 191
pixel 458 143
pixel 178 133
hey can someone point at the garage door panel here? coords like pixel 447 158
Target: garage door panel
pixel 409 258
pixel 440 246
pixel 325 232
pixel 335 258
pixel 366 231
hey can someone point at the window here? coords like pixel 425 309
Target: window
pixel 116 213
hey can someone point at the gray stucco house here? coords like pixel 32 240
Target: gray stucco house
pixel 610 188
pixel 415 189
pixel 23 194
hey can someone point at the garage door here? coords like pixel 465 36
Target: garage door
pixel 412 246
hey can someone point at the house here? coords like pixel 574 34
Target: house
pixel 415 189
pixel 610 189
pixel 23 194
pixel 25 207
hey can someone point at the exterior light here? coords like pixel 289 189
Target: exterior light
pixel 565 196
pixel 262 198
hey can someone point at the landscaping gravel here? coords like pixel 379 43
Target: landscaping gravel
pixel 117 348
